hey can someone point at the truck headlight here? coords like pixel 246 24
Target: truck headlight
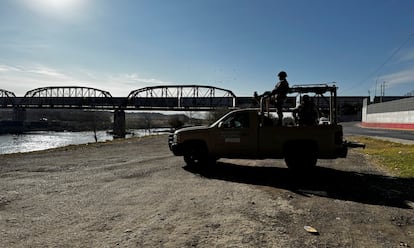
pixel 175 138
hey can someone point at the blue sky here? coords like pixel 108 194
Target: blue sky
pixel 240 45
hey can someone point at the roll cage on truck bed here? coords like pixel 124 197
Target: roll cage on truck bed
pixel 253 134
pixel 325 104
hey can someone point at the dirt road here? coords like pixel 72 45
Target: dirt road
pixel 135 193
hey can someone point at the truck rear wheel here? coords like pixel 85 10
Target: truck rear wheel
pixel 301 163
pixel 301 155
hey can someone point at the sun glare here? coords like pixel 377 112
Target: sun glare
pixel 59 3
pixel 57 7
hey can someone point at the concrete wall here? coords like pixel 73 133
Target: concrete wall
pixel 398 114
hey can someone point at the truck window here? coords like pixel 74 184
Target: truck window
pixel 238 120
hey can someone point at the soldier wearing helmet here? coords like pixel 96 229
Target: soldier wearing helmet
pixel 280 92
pixel 282 74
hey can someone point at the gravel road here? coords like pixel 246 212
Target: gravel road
pixel 135 193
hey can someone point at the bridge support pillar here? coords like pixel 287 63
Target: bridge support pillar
pixel 119 124
pixel 16 125
pixel 19 114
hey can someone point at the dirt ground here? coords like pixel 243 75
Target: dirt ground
pixel 135 193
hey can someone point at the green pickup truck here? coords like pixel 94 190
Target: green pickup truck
pixel 254 134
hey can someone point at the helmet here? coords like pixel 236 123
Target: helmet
pixel 282 74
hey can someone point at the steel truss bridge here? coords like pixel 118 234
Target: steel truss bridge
pixel 163 98
pixel 167 97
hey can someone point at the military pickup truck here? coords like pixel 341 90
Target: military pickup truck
pixel 253 134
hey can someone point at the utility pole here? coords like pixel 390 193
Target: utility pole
pixel 369 96
pixel 382 91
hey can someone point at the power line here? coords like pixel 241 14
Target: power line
pixel 385 62
pixel 392 55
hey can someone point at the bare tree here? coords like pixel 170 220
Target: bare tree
pixel 215 114
pixel 175 122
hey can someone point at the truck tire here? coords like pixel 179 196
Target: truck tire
pixel 301 155
pixel 196 154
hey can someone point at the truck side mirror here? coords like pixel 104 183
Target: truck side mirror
pixel 220 125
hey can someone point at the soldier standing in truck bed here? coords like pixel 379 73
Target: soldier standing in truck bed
pixel 280 92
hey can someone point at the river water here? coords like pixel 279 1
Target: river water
pixel 35 141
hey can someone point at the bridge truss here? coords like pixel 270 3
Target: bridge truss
pixel 181 97
pixel 67 91
pixel 166 97
pixel 6 98
pixel 67 97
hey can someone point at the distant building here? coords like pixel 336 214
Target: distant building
pixel 349 108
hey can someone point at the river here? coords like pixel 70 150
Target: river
pixel 42 140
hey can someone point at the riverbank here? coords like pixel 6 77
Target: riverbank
pixel 135 193
pixel 41 140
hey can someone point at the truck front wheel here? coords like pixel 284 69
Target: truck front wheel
pixel 196 154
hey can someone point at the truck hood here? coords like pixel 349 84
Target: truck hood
pixel 191 129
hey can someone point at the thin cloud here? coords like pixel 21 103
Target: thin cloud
pixel 398 78
pixel 407 56
pixel 7 68
pixel 20 79
pixel 48 72
pixel 135 78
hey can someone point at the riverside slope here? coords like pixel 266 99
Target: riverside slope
pixel 135 193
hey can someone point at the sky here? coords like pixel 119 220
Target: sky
pixel 241 45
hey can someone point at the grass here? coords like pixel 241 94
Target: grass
pixel 396 158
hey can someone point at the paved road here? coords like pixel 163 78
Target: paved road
pixel 402 136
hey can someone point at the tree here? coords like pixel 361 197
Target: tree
pixel 175 122
pixel 215 114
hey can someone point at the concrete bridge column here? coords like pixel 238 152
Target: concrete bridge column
pixel 119 123
pixel 19 114
pixel 17 123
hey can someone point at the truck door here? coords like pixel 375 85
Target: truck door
pixel 237 135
